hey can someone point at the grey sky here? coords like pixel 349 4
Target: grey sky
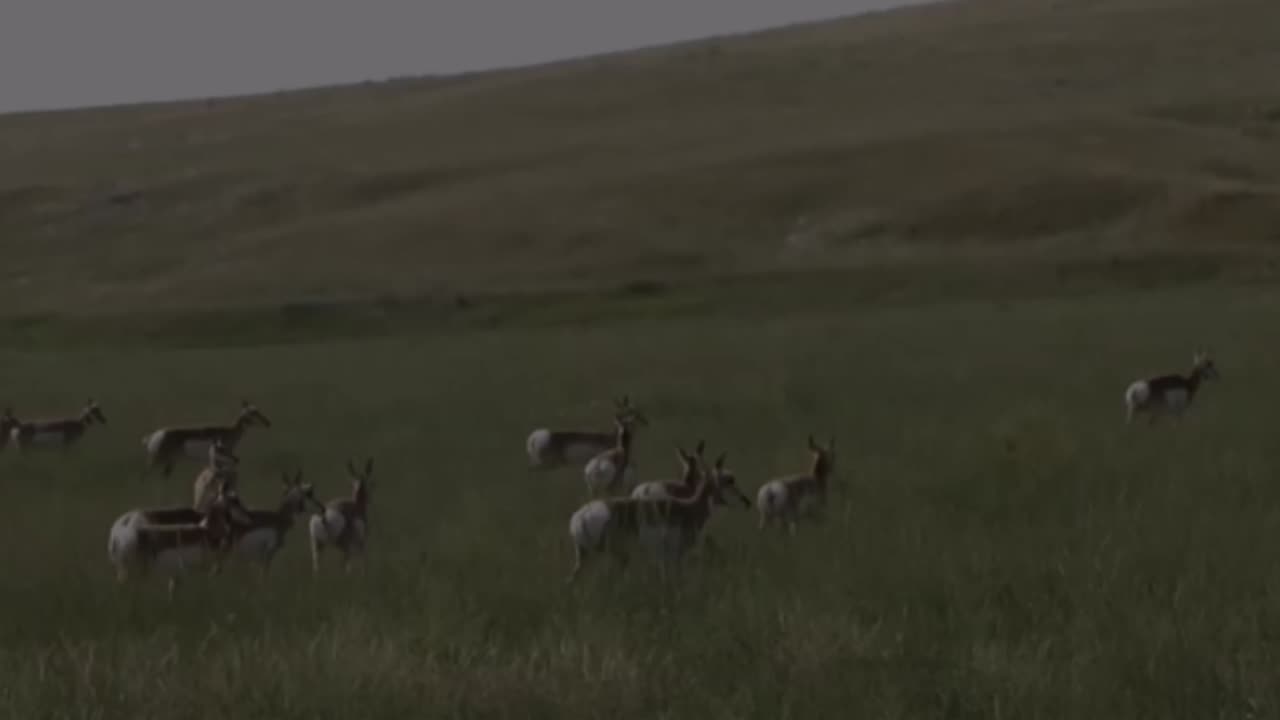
pixel 62 53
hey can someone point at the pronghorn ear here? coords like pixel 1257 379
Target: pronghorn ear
pixel 351 467
pixel 702 446
pixel 680 453
pixel 812 445
pixel 368 467
pixel 720 459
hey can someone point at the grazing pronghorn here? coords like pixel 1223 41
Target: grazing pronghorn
pixel 134 544
pixel 344 522
pixel 7 423
pixel 691 470
pixel 613 469
pixel 787 498
pixel 667 525
pixel 60 432
pixel 1168 394
pixel 221 470
pixel 554 448
pixel 262 533
pixel 165 445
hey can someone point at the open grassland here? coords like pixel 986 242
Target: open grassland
pixel 949 236
pixel 1000 544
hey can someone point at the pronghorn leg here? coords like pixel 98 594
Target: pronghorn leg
pixel 173 586
pixel 579 556
pixel 316 549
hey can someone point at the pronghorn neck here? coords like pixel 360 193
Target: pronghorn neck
pixel 1194 378
pixel 86 417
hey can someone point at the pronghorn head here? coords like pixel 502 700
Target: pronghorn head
pixel 361 480
pixel 625 412
pixel 251 415
pixel 824 459
pixel 691 464
pixel 1203 367
pixel 92 413
pixel 297 494
pixel 726 482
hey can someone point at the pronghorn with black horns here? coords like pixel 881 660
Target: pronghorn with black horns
pixel 612 470
pixel 59 433
pixel 166 445
pixel 786 499
pixel 549 449
pixel 260 535
pixel 667 525
pixel 1168 394
pixel 344 522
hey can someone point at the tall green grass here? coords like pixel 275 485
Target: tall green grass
pixel 1001 545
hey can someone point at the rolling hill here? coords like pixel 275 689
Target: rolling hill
pixel 983 134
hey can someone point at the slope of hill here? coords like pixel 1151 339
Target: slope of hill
pixel 1032 131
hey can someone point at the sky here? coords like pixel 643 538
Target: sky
pixel 70 53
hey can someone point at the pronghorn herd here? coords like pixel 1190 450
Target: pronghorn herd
pixel 216 526
pixel 665 517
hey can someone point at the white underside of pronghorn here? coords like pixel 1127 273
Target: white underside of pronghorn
pixel 1139 399
pixel 602 476
pixel 328 528
pixel 128 557
pixel 539 448
pixel 589 527
pixel 38 440
pixel 778 502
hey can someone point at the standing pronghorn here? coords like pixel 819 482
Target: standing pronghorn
pixel 613 469
pixel 261 535
pixel 61 432
pixel 344 523
pixel 7 423
pixel 787 498
pixel 170 548
pixel 222 470
pixel 554 448
pixel 666 525
pixel 165 445
pixel 1168 394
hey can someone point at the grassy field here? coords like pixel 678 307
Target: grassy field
pixel 948 236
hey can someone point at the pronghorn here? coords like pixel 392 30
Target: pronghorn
pixel 163 446
pixel 62 432
pixel 668 525
pixel 1168 394
pixel 787 498
pixel 613 469
pixel 261 535
pixel 554 448
pixel 221 470
pixel 134 543
pixel 7 423
pixel 691 469
pixel 344 522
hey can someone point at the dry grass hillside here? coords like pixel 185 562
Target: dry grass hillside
pixel 1032 132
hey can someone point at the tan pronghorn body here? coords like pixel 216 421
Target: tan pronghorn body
pixel 611 471
pixel 668 526
pixel 261 535
pixel 556 448
pixel 1168 394
pixel 165 446
pixel 60 432
pixel 220 471
pixel 788 498
pixel 137 544
pixel 344 523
